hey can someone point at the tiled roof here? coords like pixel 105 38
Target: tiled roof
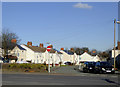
pixel 36 49
pixel 43 49
pixel 54 50
pixel 69 52
pixel 21 48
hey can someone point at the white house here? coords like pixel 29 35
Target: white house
pixel 1 55
pixel 36 54
pixel 54 56
pixel 117 55
pixel 19 52
pixel 87 57
pixel 69 56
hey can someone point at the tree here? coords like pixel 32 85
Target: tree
pixel 7 36
pixel 106 54
pixel 80 51
pixel 93 52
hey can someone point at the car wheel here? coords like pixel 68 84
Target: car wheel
pixel 95 71
pixel 101 72
pixel 85 70
pixel 113 72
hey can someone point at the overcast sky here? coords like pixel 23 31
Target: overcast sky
pixel 63 24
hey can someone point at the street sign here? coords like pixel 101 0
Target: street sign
pixel 49 48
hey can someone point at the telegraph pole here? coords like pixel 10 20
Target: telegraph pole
pixel 114 41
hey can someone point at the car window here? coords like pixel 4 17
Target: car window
pixel 97 64
pixel 105 64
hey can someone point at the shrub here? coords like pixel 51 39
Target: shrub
pixel 25 67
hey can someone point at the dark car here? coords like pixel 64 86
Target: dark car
pixel 89 66
pixel 103 67
pixel 68 63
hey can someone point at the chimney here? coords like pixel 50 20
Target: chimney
pixel 29 43
pixel 41 45
pixel 62 49
pixel 51 46
pixel 118 45
pixel 72 49
pixel 13 40
pixel 93 51
pixel 86 51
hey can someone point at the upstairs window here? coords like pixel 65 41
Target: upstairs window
pixel 18 54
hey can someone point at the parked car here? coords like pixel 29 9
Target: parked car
pixel 103 67
pixel 89 66
pixel 68 63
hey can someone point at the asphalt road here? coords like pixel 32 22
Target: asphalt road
pixel 58 79
pixel 60 76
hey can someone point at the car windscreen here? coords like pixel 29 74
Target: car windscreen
pixel 91 64
pixel 105 64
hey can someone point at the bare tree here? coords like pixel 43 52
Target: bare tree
pixel 7 37
pixel 106 54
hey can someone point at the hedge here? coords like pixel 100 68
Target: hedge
pixel 25 67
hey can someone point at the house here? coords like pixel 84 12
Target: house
pixel 36 54
pixel 87 57
pixel 1 57
pixel 69 56
pixel 117 51
pixel 19 52
pixel 4 56
pixel 54 56
pixel 117 56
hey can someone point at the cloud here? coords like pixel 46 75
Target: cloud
pixel 81 5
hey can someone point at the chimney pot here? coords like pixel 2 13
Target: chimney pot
pixel 62 48
pixel 41 45
pixel 13 40
pixel 51 46
pixel 29 43
pixel 118 45
pixel 72 49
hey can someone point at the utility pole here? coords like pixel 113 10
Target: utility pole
pixel 114 41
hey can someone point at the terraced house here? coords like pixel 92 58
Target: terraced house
pixel 36 54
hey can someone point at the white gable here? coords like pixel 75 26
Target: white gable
pixel 96 58
pixel 86 57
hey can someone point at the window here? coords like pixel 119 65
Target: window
pixel 18 54
pixel 98 64
pixel 21 59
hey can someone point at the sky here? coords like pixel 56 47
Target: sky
pixel 63 24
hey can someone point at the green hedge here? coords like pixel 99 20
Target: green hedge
pixel 25 67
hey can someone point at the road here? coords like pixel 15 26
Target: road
pixel 38 79
pixel 59 78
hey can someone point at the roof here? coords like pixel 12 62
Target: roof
pixel 21 48
pixel 52 51
pixel 57 51
pixel 116 48
pixel 68 52
pixel 42 49
pixel 36 49
pixel 85 54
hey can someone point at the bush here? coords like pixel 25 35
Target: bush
pixel 25 67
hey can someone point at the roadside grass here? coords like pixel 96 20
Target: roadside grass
pixel 25 67
pixel 63 65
